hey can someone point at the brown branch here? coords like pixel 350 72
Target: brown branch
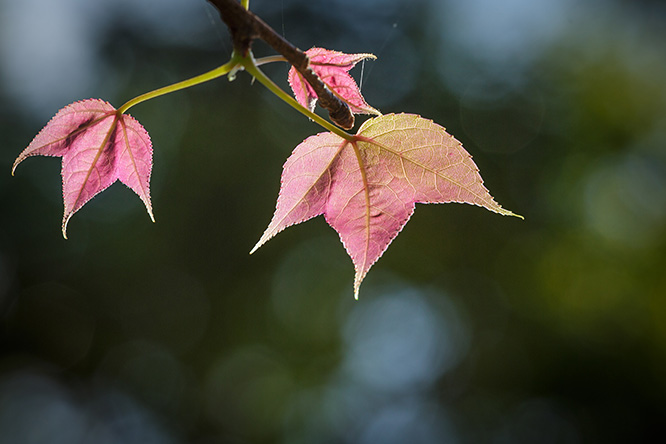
pixel 244 27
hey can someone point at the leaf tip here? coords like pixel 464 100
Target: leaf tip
pixel 258 245
pixel 505 212
pixel 357 284
pixel 65 221
pixel 150 213
pixel 18 160
pixel 268 234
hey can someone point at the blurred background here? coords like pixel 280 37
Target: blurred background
pixel 473 328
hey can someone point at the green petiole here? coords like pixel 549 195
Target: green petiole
pixel 269 59
pixel 252 67
pixel 205 77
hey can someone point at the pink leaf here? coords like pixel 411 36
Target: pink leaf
pixel 367 188
pixel 332 67
pixel 98 146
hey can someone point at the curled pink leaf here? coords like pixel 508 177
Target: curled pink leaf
pixel 332 67
pixel 367 188
pixel 98 146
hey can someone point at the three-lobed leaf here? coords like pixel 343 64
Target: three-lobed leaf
pixel 98 146
pixel 367 188
pixel 332 67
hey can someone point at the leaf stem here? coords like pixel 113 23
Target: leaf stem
pixel 245 27
pixel 201 78
pixel 269 59
pixel 251 67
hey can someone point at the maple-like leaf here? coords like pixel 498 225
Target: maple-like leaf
pixel 332 67
pixel 98 146
pixel 367 188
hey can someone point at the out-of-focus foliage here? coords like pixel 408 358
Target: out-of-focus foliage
pixel 473 328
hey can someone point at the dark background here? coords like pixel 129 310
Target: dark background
pixel 473 328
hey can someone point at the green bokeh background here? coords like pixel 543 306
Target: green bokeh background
pixel 472 327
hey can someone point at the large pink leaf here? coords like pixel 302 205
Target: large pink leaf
pixel 367 188
pixel 332 67
pixel 98 146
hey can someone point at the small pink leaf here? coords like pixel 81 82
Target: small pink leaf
pixel 332 67
pixel 98 146
pixel 367 188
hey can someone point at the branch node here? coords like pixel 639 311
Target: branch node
pixel 244 27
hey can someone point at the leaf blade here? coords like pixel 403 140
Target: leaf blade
pixel 135 159
pixel 87 169
pixel 71 120
pixel 375 181
pixel 305 183
pixel 396 134
pixel 332 67
pixel 98 146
